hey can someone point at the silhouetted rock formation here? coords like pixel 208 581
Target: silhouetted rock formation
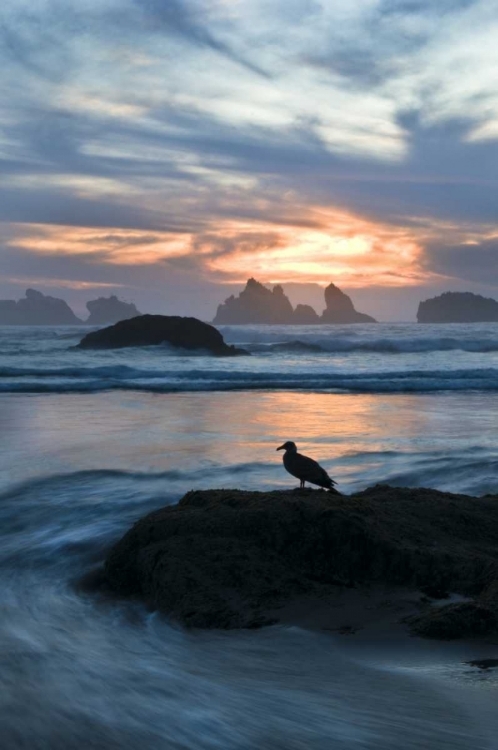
pixel 458 307
pixel 340 309
pixel 225 558
pixel 305 315
pixel 37 309
pixel 106 310
pixel 256 304
pixel 151 330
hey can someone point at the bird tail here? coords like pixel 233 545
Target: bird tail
pixel 330 485
pixel 333 490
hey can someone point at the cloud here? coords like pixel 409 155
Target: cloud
pixel 231 125
pixel 475 262
pixel 325 244
pixel 179 17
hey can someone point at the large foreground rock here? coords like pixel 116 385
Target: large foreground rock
pixel 221 558
pixel 151 330
pixel 458 307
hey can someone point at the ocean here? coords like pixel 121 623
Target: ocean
pixel 93 440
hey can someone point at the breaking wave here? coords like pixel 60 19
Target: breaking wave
pixel 120 377
pixel 388 358
pixel 329 344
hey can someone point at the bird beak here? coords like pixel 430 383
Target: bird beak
pixel 281 448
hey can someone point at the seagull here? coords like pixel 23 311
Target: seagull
pixel 305 469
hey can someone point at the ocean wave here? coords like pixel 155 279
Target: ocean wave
pixel 56 482
pixel 76 380
pixel 319 344
pixel 59 483
pixel 120 372
pixel 82 512
pixel 348 345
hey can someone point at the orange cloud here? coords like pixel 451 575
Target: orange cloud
pixel 331 245
pixel 317 245
pixel 109 246
pixel 66 283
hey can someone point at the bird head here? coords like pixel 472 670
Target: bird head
pixel 288 446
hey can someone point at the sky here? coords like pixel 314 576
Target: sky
pixel 167 150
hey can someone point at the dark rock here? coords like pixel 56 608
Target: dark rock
pixel 37 309
pixel 434 592
pixel 458 307
pixel 340 309
pixel 483 663
pixel 223 558
pixel 106 310
pixel 464 620
pixel 305 315
pixel 256 304
pixel 151 330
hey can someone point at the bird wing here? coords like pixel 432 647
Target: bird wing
pixel 311 471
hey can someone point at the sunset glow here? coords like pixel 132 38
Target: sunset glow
pixel 248 374
pixel 194 144
pixel 345 248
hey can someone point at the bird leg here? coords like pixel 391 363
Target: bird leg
pixel 302 485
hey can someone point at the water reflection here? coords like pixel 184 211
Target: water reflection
pixel 231 437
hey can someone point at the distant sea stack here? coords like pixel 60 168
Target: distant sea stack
pixel 458 307
pixel 153 330
pixel 37 309
pixel 106 310
pixel 340 309
pixel 258 304
pixel 305 315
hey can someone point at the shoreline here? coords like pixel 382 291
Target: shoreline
pixel 368 626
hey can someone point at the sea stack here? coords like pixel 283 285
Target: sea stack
pixel 305 315
pixel 256 304
pixel 153 330
pixel 458 307
pixel 107 310
pixel 340 308
pixel 37 309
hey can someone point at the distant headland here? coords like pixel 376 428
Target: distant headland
pixel 37 309
pixel 458 307
pixel 258 304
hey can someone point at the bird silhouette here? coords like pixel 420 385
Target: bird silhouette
pixel 305 469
